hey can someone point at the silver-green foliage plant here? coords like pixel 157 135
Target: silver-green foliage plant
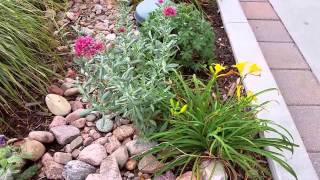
pixel 130 78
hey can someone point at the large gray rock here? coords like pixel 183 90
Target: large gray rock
pixel 93 154
pixel 212 170
pixel 121 155
pixel 57 105
pixel 65 133
pixel 138 146
pixel 109 169
pixel 77 170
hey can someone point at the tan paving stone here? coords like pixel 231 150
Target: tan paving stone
pixel 299 87
pixel 307 120
pixel 283 55
pixel 315 158
pixel 259 10
pixel 270 30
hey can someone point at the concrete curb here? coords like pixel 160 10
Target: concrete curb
pixel 246 48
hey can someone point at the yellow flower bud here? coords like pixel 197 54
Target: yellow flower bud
pixel 218 68
pixel 239 88
pixel 184 108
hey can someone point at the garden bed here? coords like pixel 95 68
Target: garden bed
pixel 106 141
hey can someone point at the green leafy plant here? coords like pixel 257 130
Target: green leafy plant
pixel 26 45
pixel 131 77
pixel 195 36
pixel 11 164
pixel 225 130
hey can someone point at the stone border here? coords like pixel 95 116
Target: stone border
pixel 246 48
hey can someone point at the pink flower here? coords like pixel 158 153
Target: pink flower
pixel 87 47
pixel 160 1
pixel 169 11
pixel 122 29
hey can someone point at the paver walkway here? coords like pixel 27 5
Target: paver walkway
pixel 297 83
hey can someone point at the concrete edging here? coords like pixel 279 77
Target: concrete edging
pixel 246 48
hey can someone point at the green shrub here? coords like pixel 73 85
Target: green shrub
pixel 130 78
pixel 25 46
pixel 195 36
pixel 222 130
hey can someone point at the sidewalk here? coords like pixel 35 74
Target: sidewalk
pixel 297 83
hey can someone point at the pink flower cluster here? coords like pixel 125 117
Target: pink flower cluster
pixel 160 1
pixel 169 11
pixel 86 46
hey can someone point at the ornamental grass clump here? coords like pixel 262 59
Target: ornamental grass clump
pixel 130 77
pixel 195 36
pixel 26 45
pixel 203 125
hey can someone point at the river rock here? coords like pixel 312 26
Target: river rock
pixel 65 133
pixel 166 176
pixel 109 169
pixel 87 141
pixel 187 176
pixel 77 170
pixel 53 170
pixel 71 92
pixel 123 132
pixel 62 158
pixel 121 155
pixel 91 117
pixel 93 154
pixel 58 121
pixel 79 123
pixel 212 170
pixel 138 146
pixel 54 89
pixel 149 164
pixel 46 158
pixel 76 142
pixel 75 115
pixel 112 144
pixel 131 164
pixel 32 149
pixel 95 177
pixel 41 136
pixel 57 105
pixel 75 105
pixel 104 125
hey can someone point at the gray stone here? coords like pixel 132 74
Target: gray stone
pixel 149 164
pixel 212 170
pixel 121 155
pixel 144 9
pixel 77 170
pixel 91 117
pixel 57 105
pixel 76 143
pixel 71 92
pixel 93 154
pixel 104 125
pixel 65 133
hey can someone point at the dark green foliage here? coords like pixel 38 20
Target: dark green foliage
pixel 195 36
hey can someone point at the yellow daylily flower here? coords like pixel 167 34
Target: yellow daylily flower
pixel 251 95
pixel 183 109
pixel 241 67
pixel 239 88
pixel 254 69
pixel 218 68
